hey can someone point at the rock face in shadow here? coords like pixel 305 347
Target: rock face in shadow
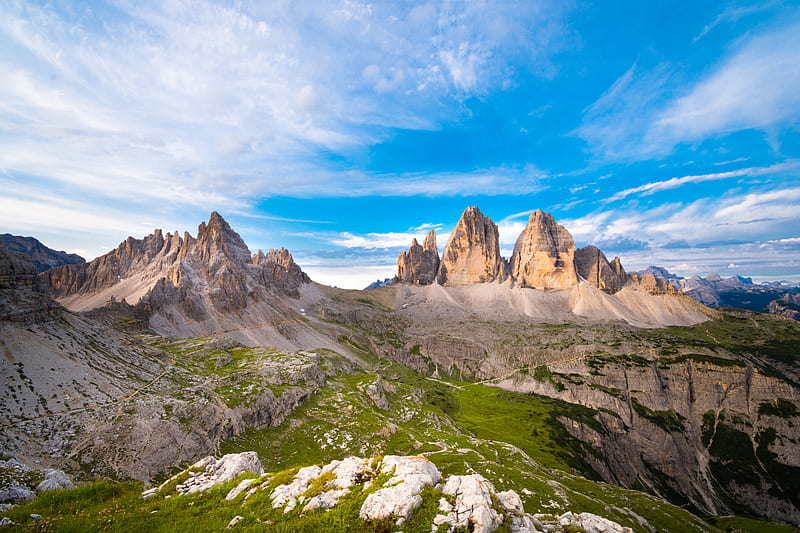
pixel 41 256
pixel 472 254
pixel 420 263
pixel 544 254
pixel 592 265
pixel 23 296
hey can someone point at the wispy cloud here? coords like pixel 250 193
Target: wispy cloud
pixel 673 183
pixel 161 102
pixel 755 88
pixel 647 111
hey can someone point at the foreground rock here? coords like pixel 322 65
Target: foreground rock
pixel 392 488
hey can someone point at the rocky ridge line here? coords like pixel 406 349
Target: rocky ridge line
pixel 544 257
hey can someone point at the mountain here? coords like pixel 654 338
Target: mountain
pixel 198 286
pixel 735 291
pixel 379 283
pixel 616 378
pixel 546 277
pixel 40 255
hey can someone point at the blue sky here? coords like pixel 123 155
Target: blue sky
pixel 667 133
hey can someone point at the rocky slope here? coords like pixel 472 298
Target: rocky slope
pixel 82 395
pixel 41 256
pixel 391 490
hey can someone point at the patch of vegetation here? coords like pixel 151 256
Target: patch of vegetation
pixel 749 525
pixel 733 457
pixel 612 391
pixel 666 420
pixel 542 374
pixel 781 408
pixel 701 358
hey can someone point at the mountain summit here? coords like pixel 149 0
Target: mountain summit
pixel 189 285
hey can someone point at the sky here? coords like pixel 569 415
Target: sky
pixel 665 133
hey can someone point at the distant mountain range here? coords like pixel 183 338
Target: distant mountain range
pixel 42 257
pixel 776 297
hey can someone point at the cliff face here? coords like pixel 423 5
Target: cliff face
pixel 592 265
pixel 23 296
pixel 472 254
pixel 544 254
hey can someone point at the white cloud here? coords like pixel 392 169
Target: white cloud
pixel 161 102
pixel 646 112
pixel 755 88
pixel 673 183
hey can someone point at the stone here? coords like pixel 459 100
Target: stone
pixel 234 464
pixel 54 480
pixel 234 521
pixel 472 254
pixel 326 500
pixel 472 508
pixel 401 496
pixel 591 523
pixel 16 494
pixel 286 495
pixel 593 266
pixel 511 502
pixel 544 255
pixel 238 489
pixel 420 263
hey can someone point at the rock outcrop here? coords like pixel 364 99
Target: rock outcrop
pixel 465 502
pixel 472 254
pixel 420 263
pixel 544 255
pixel 653 285
pixel 42 257
pixel 592 265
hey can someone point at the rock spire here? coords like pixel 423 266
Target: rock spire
pixel 472 253
pixel 593 266
pixel 420 263
pixel 544 254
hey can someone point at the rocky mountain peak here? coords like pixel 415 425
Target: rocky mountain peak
pixel 544 254
pixel 472 254
pixel 592 265
pixel 420 264
pixel 216 241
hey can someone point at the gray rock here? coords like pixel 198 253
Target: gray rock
pixel 16 494
pixel 54 480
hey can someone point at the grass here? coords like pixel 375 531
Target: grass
pixel 750 525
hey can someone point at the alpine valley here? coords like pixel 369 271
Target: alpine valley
pixel 184 382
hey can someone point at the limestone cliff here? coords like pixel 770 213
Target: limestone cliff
pixel 592 265
pixel 544 254
pixel 472 254
pixel 420 263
